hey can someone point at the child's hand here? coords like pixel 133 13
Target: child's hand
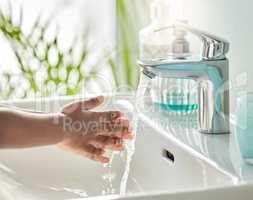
pixel 89 133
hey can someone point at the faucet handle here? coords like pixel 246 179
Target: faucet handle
pixel 214 47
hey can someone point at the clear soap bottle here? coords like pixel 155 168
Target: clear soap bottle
pixel 155 44
pixel 161 42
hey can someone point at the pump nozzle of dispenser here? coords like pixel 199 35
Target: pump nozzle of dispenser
pixel 180 45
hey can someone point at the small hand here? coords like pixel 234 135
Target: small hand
pixel 89 133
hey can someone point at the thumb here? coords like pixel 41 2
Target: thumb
pixel 83 105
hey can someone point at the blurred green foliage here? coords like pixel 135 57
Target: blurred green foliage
pixel 42 75
pixel 38 74
pixel 131 15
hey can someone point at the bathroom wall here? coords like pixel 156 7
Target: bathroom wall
pixel 231 19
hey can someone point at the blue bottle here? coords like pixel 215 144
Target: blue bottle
pixel 244 126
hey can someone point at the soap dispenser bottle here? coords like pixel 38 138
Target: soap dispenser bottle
pixel 155 44
pixel 158 43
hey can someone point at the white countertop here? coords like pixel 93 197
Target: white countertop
pixel 222 149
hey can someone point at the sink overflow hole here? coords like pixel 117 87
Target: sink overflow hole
pixel 168 155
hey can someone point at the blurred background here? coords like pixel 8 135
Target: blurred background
pixel 55 48
pixel 68 47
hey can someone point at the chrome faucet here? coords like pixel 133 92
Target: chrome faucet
pixel 211 73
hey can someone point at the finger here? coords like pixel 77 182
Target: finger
pixel 108 116
pixel 126 131
pixel 110 128
pixel 112 143
pixel 83 105
pixel 102 159
pixel 122 122
pixel 113 130
pixel 92 103
pixel 125 135
pixel 95 154
pixel 91 150
pixel 102 127
pixel 122 125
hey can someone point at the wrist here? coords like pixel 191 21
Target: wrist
pixel 56 127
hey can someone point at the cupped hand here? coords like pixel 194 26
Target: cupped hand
pixel 90 133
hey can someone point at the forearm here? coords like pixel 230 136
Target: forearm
pixel 19 129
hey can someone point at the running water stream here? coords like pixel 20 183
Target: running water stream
pixel 130 145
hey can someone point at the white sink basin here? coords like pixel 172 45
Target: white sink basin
pixel 161 164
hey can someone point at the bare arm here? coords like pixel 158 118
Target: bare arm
pixel 98 130
pixel 20 129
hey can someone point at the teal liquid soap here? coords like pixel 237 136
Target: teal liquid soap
pixel 174 107
pixel 178 101
pixel 174 94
